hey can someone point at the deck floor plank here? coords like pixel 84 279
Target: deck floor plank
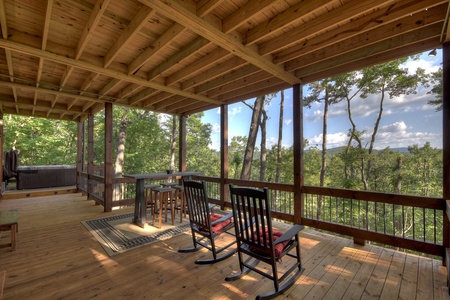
pixel 57 258
pixel 409 278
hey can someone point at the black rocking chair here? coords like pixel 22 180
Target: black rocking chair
pixel 260 243
pixel 205 225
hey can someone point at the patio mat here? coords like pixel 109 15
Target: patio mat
pixel 118 234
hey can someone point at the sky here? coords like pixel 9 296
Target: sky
pixel 406 120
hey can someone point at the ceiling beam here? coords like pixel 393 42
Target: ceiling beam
pixel 47 91
pixel 175 11
pixel 99 70
pixel 324 22
pixel 158 45
pixel 388 32
pixel 367 23
pixel 302 9
pixel 139 21
pixel 96 14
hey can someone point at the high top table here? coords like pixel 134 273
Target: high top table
pixel 140 207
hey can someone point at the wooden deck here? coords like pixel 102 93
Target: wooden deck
pixel 57 258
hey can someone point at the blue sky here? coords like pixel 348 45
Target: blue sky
pixel 406 120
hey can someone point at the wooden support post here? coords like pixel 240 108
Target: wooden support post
pixel 223 155
pixel 108 165
pixel 1 155
pixel 90 150
pixel 182 144
pixel 80 151
pixel 298 152
pixel 446 152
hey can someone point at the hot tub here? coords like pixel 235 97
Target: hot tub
pixel 32 177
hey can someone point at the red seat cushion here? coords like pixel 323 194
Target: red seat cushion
pixel 266 250
pixel 217 228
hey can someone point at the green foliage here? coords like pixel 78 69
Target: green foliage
pixel 437 89
pixel 41 141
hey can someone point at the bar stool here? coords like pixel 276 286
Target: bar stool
pixel 181 197
pixel 163 197
pixel 148 192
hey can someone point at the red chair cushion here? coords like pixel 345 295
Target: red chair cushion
pixel 217 228
pixel 266 250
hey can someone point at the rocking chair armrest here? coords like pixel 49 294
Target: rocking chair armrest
pixel 224 218
pixel 288 235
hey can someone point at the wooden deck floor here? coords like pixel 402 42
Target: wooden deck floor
pixel 57 258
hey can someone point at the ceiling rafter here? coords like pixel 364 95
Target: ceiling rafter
pixel 182 57
pixel 143 16
pixel 385 32
pixel 158 45
pixel 361 25
pixel 322 23
pixel 276 24
pixel 181 15
pixel 99 70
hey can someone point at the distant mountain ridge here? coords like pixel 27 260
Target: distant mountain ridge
pixel 333 151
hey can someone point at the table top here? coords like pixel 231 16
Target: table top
pixel 8 217
pixel 161 175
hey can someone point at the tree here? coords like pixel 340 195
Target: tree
pixel 173 143
pixel 253 133
pixel 280 138
pixel 199 156
pixel 437 89
pixel 329 91
pixel 388 79
pixel 235 150
pixel 121 139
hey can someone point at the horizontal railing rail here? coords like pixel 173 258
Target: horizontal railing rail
pixel 404 221
pixel 409 222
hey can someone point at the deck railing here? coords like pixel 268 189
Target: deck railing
pixel 404 221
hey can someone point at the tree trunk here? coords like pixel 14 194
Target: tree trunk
pixel 263 158
pixel 372 142
pixel 253 133
pixel 280 144
pixel 398 184
pixel 173 143
pixel 324 141
pixel 120 157
pixel 323 168
pixel 280 139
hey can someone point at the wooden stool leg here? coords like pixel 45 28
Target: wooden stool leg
pixel 172 206
pixel 14 229
pixel 179 196
pixel 160 209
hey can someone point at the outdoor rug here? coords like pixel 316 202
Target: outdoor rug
pixel 118 234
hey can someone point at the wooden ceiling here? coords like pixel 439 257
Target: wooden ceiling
pixel 64 59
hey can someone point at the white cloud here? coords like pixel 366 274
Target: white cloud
pixel 427 65
pixel 216 128
pixel 333 140
pixel 235 111
pixel 394 127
